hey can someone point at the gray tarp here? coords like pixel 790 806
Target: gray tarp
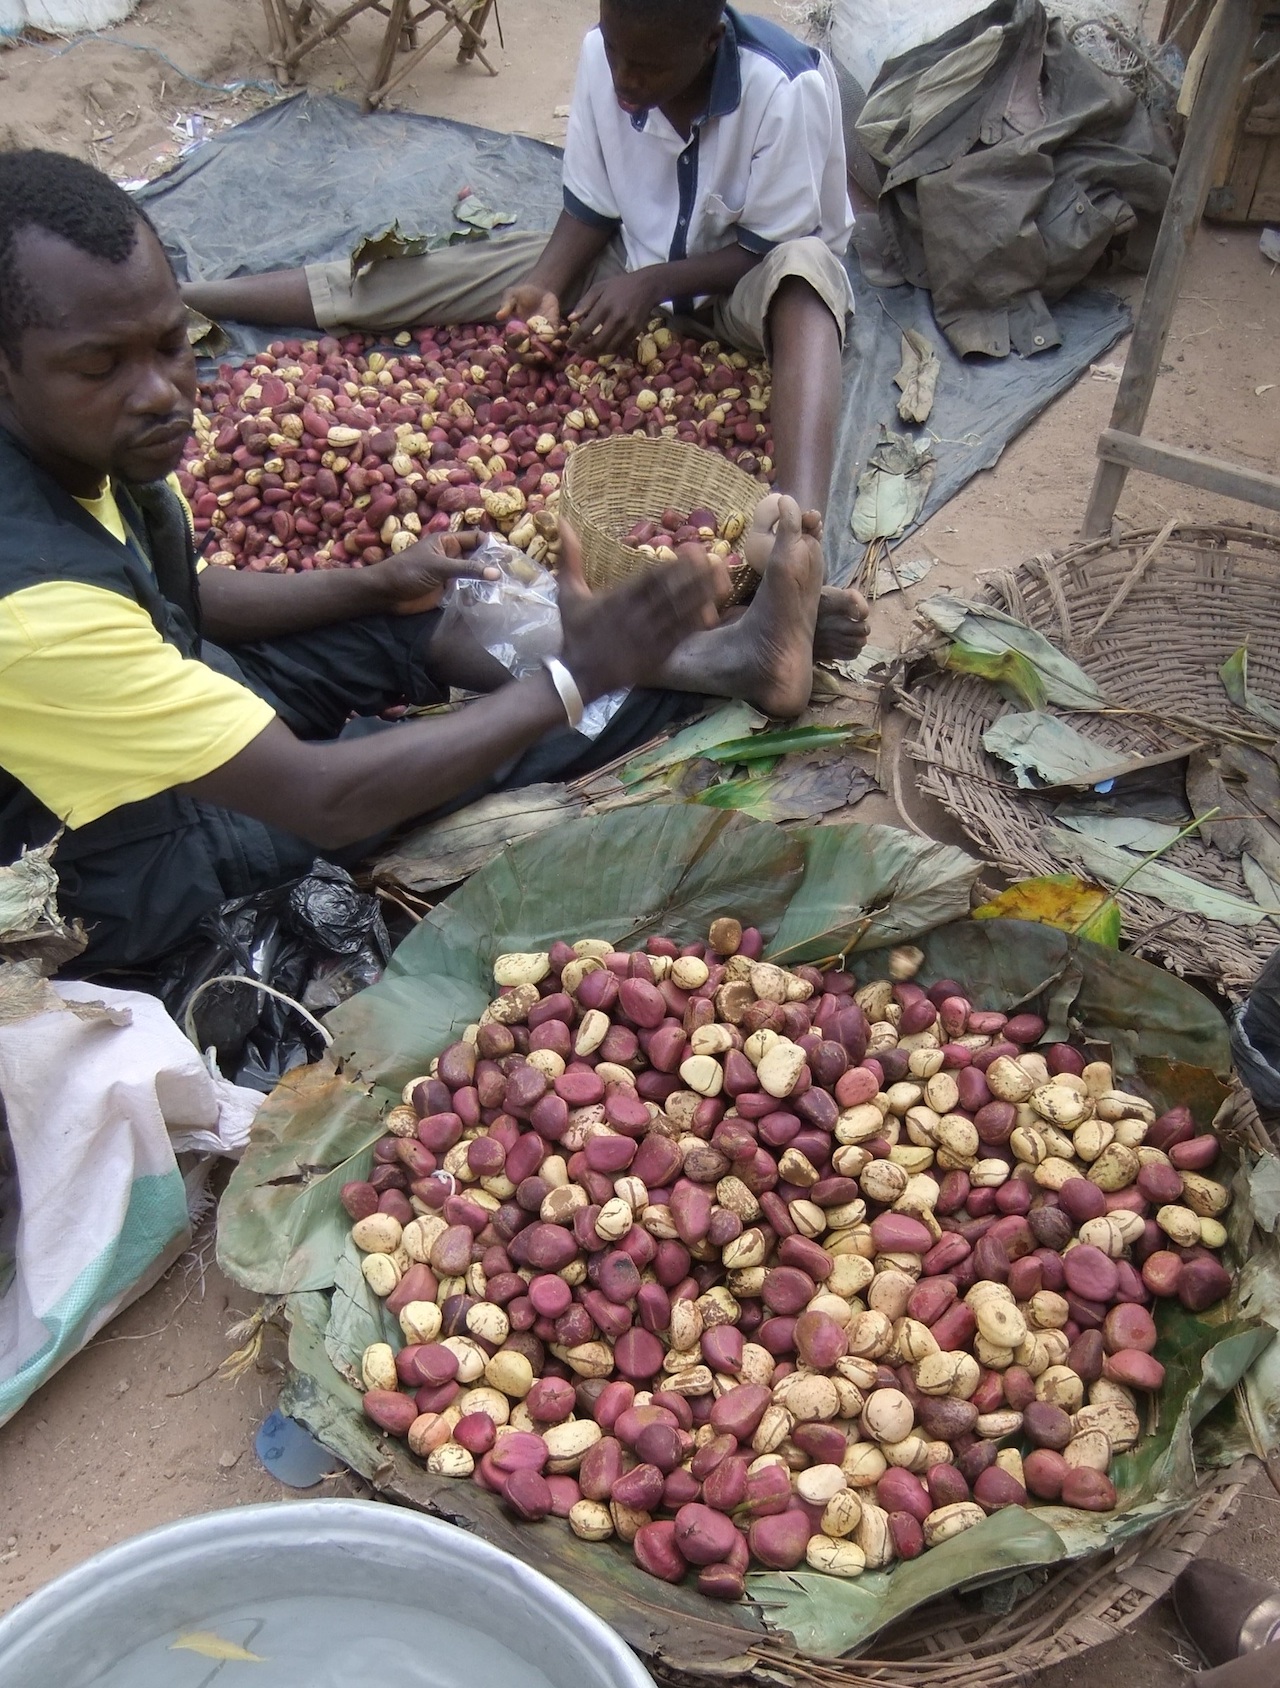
pixel 306 179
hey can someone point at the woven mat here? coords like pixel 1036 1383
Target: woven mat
pixel 1152 624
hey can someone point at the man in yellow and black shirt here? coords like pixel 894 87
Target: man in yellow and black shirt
pixel 183 727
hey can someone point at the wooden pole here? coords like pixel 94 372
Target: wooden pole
pixel 1215 102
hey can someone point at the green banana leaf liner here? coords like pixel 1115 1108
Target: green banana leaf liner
pixel 817 894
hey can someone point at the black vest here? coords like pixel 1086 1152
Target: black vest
pixel 46 535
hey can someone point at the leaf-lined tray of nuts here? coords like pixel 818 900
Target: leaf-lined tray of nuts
pixel 717 1268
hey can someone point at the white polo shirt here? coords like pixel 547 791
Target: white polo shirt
pixel 766 163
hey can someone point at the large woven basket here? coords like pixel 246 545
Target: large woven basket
pixel 610 485
pixel 1151 617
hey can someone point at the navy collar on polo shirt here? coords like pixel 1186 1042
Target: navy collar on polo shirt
pixel 726 80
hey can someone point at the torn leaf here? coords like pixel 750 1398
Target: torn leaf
pixel 918 376
pixel 734 721
pixel 895 576
pixel 1219 782
pixel 207 339
pixel 1061 900
pixel 1234 675
pixel 1264 890
pixel 394 243
pixel 1126 832
pixel 892 488
pixel 473 211
pixel 1016 678
pixel 1175 890
pixel 447 851
pixel 985 629
pixel 1039 742
pixel 799 794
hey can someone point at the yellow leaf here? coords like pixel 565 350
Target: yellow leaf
pixel 1061 900
pixel 211 1646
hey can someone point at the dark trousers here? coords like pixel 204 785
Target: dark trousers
pixel 143 877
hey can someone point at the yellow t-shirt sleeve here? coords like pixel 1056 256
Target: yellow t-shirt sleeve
pixel 96 710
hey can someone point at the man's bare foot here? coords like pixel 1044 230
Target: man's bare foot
pixel 841 630
pixel 777 632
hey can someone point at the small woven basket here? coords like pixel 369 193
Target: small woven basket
pixel 610 485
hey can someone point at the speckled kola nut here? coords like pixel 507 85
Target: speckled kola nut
pixel 1092 1138
pixel 1047 1310
pixel 1090 1448
pixel 773 1429
pixel 864 1465
pixel 1008 1081
pixel 689 973
pixel 1053 1173
pixel 1204 1196
pixel 874 1537
pixel 950 1521
pixel 450 1459
pixel 1121 1104
pixel 843 1513
pixel 1061 1106
pixel 1115 1168
pixel 1118 1421
pixel 957 1139
pixel 591 1520
pixel 380 1273
pixel 935 1373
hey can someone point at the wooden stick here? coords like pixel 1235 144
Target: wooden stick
pixel 1214 104
pixel 331 27
pixel 1188 468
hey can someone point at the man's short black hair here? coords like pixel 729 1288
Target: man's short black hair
pixel 65 196
pixel 678 17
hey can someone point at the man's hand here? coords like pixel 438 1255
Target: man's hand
pixel 614 314
pixel 624 637
pixel 415 580
pixel 530 299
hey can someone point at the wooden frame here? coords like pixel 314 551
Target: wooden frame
pixel 1121 446
pixel 296 27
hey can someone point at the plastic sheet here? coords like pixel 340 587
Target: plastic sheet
pixel 304 180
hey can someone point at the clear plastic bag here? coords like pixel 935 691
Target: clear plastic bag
pixel 516 618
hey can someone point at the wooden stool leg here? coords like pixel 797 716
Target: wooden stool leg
pixel 396 24
pixel 1215 100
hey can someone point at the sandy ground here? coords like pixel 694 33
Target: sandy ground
pixel 138 1429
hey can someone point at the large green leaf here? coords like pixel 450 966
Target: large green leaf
pixel 281 1226
pixel 870 885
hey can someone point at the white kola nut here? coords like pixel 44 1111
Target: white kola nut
pixel 1102 1390
pixel 614 1220
pixel 882 1181
pixel 1028 1145
pixel 631 1190
pixel 873 1536
pixel 882 1035
pixel 968 1377
pixel 1090 1449
pixel 689 973
pixel 924 1063
pixel 1000 1322
pixel 451 1459
pixel 950 1521
pixel 773 1430
pixel 1101 1233
pixel 487 1400
pixel 704 1074
pixel 470 1356
pixel 781 1068
pixel 574 972
pixel 858 1125
pixel 758 1365
pixel 903 1096
pixel 941 1093
pixel 768 982
pixel 718 1307
pixel 511 1372
pixel 568 1442
pixel 1034 1355
pixel 935 1374
pixel 1131 1133
pixel 820 1483
pixel 714 1039
pixel 870 1335
pixel 686 1325
pixel 842 1514
pixel 522 968
pixel 378 1233
pixel 812 1399
pixel 905 961
pixel 988 1174
pixel 999 1426
pixel 1061 1387
pixel 864 1465
pixel 1008 1081
pixel 958 1136
pixel 1092 1138
pixel 401 1121
pixel 921 1125
pixel 914 1341
pixel 889 1292
pixel 1204 1196
pixel 749 1249
pixel 759 1044
pixel 1053 1173
pixel 1115 1420
pixel 733 1194
pixel 836 1558
pixel 382 1274
pixel 874 998
pixel 748 1283
pixel 419 1237
pixel 1010 1460
pixel 887 1417
pixel 808 1218
pixel 590 1520
pixel 1121 1104
pixel 910 1454
pixel 421 1321
pixel 488 1322
pixel 1179 1224
pixel 1061 1106
pixel 378 1367
pixel 850 1397
pixel 1058 1344
pixel 592 1031
pixel 993 1355
pixel 862 1373
pixel 1047 1310
pixel 1033 1062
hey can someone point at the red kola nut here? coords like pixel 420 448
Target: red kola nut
pixel 703 1535
pixel 779 1541
pixel 657 1553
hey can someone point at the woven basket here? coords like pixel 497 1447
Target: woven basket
pixel 610 485
pixel 1151 617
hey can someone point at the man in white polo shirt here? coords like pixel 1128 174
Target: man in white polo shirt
pixel 704 171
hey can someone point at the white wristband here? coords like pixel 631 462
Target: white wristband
pixel 567 688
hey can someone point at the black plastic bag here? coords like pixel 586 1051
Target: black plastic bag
pixel 1255 1038
pixel 317 940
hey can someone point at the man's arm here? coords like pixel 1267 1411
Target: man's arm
pixel 339 793
pixel 239 607
pixel 613 315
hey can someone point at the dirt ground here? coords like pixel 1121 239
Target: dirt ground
pixel 138 1429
